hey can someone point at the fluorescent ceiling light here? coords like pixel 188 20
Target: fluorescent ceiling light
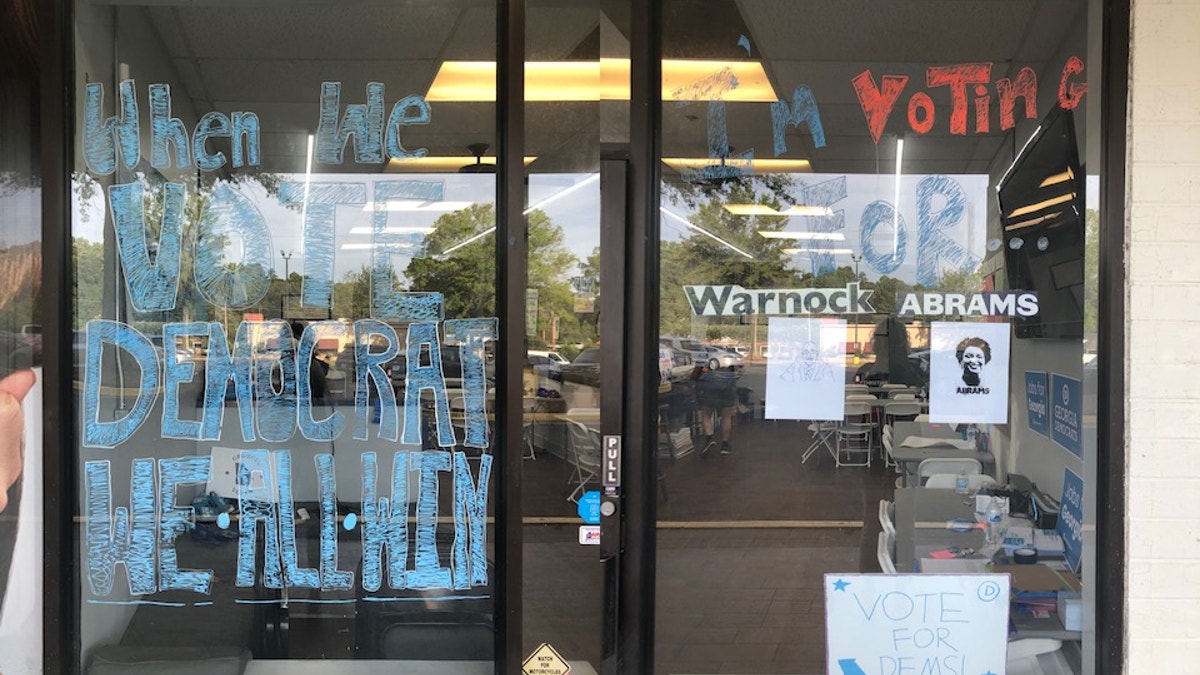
pixel 1045 203
pixel 603 79
pixel 1034 221
pixel 811 236
pixel 392 230
pixel 833 251
pixel 438 164
pixel 749 167
pixel 408 205
pixel 764 210
pixel 687 223
pixel 1058 178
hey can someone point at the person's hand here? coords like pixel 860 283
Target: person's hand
pixel 12 428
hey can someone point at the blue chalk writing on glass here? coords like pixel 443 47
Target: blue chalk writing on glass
pixel 275 409
pixel 850 667
pixel 175 373
pixel 934 245
pixel 166 130
pixel 712 88
pixel 368 369
pixel 245 125
pixel 744 43
pixel 332 579
pixel 212 125
pixel 400 117
pixel 111 537
pixel 423 338
pixel 469 555
pixel 176 521
pixel 876 214
pixel 103 139
pixel 332 425
pixel 220 367
pixel 102 434
pixel 256 502
pixel 152 281
pixel 470 335
pixel 363 122
pixel 826 193
pixel 802 110
pixel 293 574
pixel 387 302
pixel 384 524
pixel 350 521
pixel 319 202
pixel 223 521
pixel 427 571
pixel 229 218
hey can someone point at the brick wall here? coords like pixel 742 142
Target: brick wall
pixel 1163 582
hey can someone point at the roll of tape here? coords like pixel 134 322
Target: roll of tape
pixel 1025 556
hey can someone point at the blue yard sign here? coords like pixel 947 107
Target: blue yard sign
pixel 589 507
pixel 1066 398
pixel 916 623
pixel 1037 406
pixel 1070 518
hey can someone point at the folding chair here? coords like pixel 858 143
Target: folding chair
pixel 823 437
pixel 946 481
pixel 883 552
pixel 583 452
pixel 854 434
pixel 885 517
pixel 933 465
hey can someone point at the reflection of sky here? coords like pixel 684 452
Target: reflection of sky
pixel 576 212
pixel 20 217
pixel 969 231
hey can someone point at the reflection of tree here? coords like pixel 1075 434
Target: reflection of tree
pixel 461 264
pixel 190 304
pixel 700 259
pixel 1091 271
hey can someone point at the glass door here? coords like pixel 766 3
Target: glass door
pixel 872 232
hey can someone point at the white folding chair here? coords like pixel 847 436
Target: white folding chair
pixel 894 393
pixel 934 465
pixel 584 455
pixel 946 481
pixel 885 517
pixel 822 437
pixel 854 434
pixel 883 552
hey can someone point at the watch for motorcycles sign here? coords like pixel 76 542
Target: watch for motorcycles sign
pixel 545 661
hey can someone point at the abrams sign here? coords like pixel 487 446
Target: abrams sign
pixel 1008 303
pixel 737 301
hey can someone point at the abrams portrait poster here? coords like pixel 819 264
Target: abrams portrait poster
pixel 968 372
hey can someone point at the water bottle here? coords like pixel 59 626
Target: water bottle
pixel 961 483
pixel 993 517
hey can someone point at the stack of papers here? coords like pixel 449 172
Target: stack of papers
pixel 1045 542
pixel 927 442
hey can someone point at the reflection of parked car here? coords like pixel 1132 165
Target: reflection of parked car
pixel 692 348
pixel 549 373
pixel 553 356
pixel 719 358
pixel 917 358
pixel 585 369
pixel 451 366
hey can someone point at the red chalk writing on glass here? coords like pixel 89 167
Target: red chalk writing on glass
pixel 968 87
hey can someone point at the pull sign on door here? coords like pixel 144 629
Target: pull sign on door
pixel 611 475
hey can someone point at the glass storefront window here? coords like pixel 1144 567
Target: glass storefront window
pixel 283 332
pixel 878 244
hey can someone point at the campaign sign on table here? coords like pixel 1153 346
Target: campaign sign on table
pixel 1037 407
pixel 889 624
pixel 1070 518
pixel 968 372
pixel 804 371
pixel 1066 396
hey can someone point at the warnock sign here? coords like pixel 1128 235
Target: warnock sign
pixel 737 301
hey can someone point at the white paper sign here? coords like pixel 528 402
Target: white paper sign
pixel 888 624
pixel 968 372
pixel 806 377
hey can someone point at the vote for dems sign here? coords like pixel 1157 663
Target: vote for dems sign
pixel 916 623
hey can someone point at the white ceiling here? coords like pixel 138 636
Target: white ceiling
pixel 271 58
